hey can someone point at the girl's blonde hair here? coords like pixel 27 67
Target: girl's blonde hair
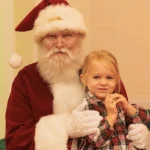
pixel 106 58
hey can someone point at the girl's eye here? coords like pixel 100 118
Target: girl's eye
pixel 96 77
pixel 110 77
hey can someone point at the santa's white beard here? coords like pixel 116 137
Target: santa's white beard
pixel 60 65
pixel 62 73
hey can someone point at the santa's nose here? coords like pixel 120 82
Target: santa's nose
pixel 59 42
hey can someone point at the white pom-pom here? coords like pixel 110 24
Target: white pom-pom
pixel 15 61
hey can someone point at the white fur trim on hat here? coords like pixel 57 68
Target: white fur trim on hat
pixel 58 17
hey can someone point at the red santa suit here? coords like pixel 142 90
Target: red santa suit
pixel 29 114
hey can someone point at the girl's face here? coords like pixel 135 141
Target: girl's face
pixel 99 79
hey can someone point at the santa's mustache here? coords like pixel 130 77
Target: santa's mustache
pixel 56 50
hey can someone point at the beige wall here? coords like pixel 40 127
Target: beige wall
pixel 6 48
pixel 122 27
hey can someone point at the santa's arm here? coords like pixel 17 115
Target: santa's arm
pixel 20 123
pixel 23 131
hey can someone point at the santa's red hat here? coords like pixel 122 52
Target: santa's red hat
pixel 52 15
pixel 48 16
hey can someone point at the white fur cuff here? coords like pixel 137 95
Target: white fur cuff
pixel 51 132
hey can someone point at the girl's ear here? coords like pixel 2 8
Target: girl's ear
pixel 82 78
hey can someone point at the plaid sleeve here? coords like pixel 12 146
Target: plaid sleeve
pixel 141 116
pixel 105 134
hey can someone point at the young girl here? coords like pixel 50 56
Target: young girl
pixel 101 78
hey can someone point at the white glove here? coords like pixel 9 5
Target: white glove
pixel 138 134
pixel 83 122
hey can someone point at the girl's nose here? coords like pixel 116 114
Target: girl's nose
pixel 103 82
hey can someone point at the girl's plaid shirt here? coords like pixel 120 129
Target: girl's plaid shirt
pixel 111 138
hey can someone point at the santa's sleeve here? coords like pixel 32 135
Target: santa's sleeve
pixel 23 132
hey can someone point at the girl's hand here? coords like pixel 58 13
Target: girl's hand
pixel 110 106
pixel 111 109
pixel 120 100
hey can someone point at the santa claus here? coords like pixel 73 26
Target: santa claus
pixel 45 109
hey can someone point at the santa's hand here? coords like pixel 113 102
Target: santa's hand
pixel 83 122
pixel 138 134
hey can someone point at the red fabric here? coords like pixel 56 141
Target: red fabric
pixel 28 22
pixel 69 144
pixel 30 99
